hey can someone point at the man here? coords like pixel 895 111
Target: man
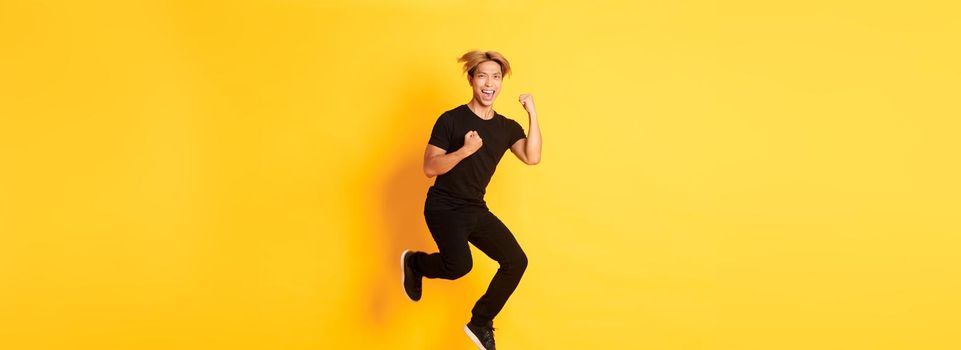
pixel 465 146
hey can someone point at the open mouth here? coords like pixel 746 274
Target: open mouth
pixel 488 93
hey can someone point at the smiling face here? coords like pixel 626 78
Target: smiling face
pixel 486 82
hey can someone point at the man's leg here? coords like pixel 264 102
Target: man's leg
pixel 493 238
pixel 450 230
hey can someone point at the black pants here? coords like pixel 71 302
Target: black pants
pixel 452 230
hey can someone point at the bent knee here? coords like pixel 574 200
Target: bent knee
pixel 522 262
pixel 456 271
pixel 518 263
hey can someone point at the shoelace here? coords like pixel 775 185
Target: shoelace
pixel 489 336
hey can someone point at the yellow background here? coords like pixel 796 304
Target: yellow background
pixel 715 175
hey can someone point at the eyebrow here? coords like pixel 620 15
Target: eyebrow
pixel 494 73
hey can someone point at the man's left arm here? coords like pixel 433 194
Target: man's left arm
pixel 528 150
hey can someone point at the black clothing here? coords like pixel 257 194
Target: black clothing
pixel 466 183
pixel 457 214
pixel 452 230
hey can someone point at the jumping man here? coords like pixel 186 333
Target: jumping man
pixel 465 146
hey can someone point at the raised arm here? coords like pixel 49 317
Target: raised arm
pixel 528 150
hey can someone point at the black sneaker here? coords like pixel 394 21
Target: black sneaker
pixel 482 336
pixel 409 278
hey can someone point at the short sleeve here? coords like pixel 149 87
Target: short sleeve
pixel 441 134
pixel 516 132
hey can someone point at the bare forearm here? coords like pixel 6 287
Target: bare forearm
pixel 533 147
pixel 441 164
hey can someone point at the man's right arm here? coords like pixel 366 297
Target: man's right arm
pixel 438 162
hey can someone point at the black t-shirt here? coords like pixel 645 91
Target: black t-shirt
pixel 466 183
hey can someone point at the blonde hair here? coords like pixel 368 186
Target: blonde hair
pixel 474 58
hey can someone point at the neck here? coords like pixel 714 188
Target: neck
pixel 484 112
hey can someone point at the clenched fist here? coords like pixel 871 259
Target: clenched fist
pixel 527 101
pixel 472 142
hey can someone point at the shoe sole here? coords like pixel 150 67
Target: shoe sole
pixel 473 338
pixel 403 274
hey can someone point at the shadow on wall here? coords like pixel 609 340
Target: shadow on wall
pixel 404 189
